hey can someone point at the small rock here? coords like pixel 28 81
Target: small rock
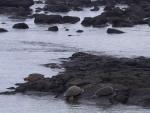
pixel 79 31
pixel 53 65
pixel 21 26
pixel 8 93
pixel 11 88
pixel 95 8
pixel 77 9
pixel 54 28
pixel 114 31
pixel 3 30
pixel 66 29
pixel 38 2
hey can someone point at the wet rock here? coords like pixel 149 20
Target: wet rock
pixel 38 2
pixel 120 96
pixel 16 3
pixel 3 30
pixel 95 8
pixel 21 26
pixel 139 96
pixel 11 88
pixel 47 19
pixel 38 9
pixel 114 31
pixel 72 3
pixel 78 82
pixel 119 22
pixel 34 77
pixel 87 21
pixel 53 28
pixel 66 29
pixel 53 66
pixel 8 93
pixel 105 91
pixel 99 20
pixel 15 11
pixel 79 31
pixel 71 19
pixel 77 9
pixel 53 19
pixel 57 8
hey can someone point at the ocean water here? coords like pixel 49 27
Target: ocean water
pixel 23 52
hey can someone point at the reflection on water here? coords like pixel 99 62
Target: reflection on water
pixel 23 51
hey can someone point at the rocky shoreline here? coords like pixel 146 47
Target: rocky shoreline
pixel 103 78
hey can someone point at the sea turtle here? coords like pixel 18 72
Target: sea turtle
pixel 34 77
pixel 73 92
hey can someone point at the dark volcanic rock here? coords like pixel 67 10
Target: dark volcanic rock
pixel 48 19
pixel 71 19
pixel 97 21
pixel 38 2
pixel 16 3
pixel 17 11
pixel 57 8
pixel 88 21
pixel 79 31
pixel 3 30
pixel 65 6
pixel 54 19
pixel 21 26
pixel 71 3
pixel 114 31
pixel 53 65
pixel 119 80
pixel 77 9
pixel 128 17
pixel 54 28
pixel 95 8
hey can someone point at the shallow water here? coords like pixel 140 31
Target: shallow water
pixel 23 51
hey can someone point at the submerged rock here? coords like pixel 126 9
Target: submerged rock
pixel 53 28
pixel 114 31
pixel 3 30
pixel 21 26
pixel 79 31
